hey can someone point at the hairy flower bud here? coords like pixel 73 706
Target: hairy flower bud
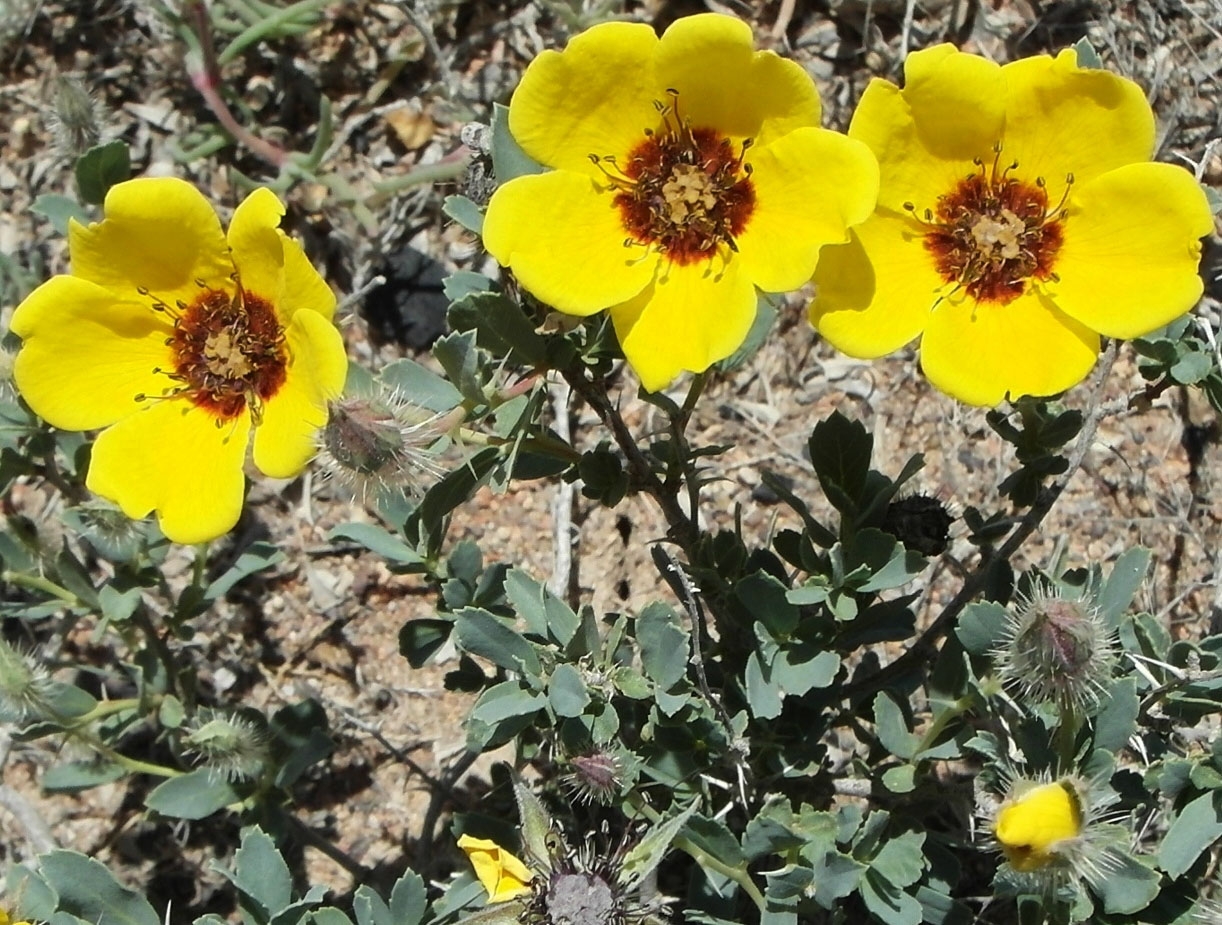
pixel 379 443
pixel 596 777
pixel 1057 648
pixel 76 122
pixel 25 686
pixel 230 746
pixel 920 522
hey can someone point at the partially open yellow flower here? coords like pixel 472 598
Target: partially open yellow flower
pixel 1018 219
pixel 688 171
pixel 1035 823
pixel 502 874
pixel 179 341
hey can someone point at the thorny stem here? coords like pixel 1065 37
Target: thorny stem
pixel 924 648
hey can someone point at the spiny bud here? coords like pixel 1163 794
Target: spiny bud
pixel 111 532
pixel 596 777
pixel 1057 648
pixel 373 444
pixel 230 746
pixel 76 120
pixel 25 686
pixel 920 522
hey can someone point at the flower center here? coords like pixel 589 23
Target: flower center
pixel 684 191
pixel 993 233
pixel 228 352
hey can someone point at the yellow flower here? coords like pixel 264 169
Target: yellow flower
pixel 180 340
pixel 688 171
pixel 502 874
pixel 1018 219
pixel 1034 824
pixel 5 920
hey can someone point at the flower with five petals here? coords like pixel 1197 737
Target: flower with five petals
pixel 687 171
pixel 1019 218
pixel 178 341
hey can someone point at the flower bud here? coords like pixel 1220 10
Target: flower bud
pixel 25 686
pixel 373 444
pixel 596 777
pixel 1032 825
pixel 75 122
pixel 230 746
pixel 1057 648
pixel 920 522
pixel 1052 832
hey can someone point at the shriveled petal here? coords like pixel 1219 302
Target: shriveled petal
pixel 86 354
pixel 980 353
pixel 926 135
pixel 271 264
pixel 809 187
pixel 284 441
pixel 159 234
pixel 563 237
pixel 688 319
pixel 1132 248
pixel 174 459
pixel 595 97
pixel 875 293
pixel 1063 119
pixel 725 84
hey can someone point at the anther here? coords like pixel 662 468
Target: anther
pixel 142 291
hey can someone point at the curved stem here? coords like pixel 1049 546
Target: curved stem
pixel 38 583
pixel 738 874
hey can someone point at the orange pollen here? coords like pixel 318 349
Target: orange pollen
pixel 228 353
pixel 684 191
pixel 993 233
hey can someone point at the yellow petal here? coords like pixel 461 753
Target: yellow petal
pixel 255 241
pixel 875 293
pixel 980 353
pixel 595 97
pixel 284 441
pixel 502 874
pixel 86 354
pixel 926 135
pixel 174 459
pixel 691 317
pixel 1132 246
pixel 564 240
pixel 271 264
pixel 809 187
pixel 724 84
pixel 1031 826
pixel 159 234
pixel 1061 119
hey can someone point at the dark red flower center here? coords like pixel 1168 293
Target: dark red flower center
pixel 228 352
pixel 993 233
pixel 684 191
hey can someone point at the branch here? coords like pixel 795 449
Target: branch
pixel 682 529
pixel 925 647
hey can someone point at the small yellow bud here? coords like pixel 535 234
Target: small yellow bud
pixel 1031 826
pixel 502 874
